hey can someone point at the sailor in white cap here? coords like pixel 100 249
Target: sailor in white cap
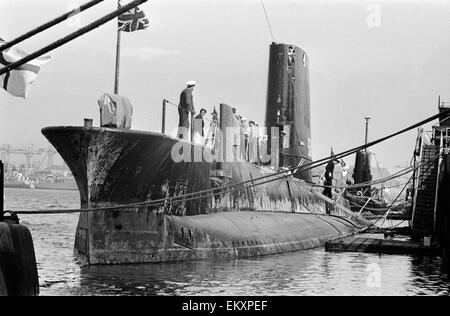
pixel 185 107
pixel 244 138
pixel 190 83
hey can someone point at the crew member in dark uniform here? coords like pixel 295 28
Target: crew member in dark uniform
pixel 199 127
pixel 185 107
pixel 329 170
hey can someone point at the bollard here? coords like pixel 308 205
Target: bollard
pixel 17 261
pixel 88 122
pixel 3 289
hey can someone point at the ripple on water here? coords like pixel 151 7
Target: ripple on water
pixel 311 272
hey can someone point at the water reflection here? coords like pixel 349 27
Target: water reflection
pixel 430 274
pixel 311 272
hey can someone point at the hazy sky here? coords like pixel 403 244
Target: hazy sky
pixel 386 60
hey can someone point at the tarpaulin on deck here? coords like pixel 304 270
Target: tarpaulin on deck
pixel 115 111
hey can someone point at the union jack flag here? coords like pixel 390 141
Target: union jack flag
pixel 133 20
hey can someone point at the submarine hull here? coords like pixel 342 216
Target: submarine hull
pixel 118 167
pixel 143 236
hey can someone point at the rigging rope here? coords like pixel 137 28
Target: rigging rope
pixel 71 36
pixel 378 165
pixel 367 183
pixel 218 191
pixel 389 208
pixel 47 25
pixel 268 22
pixel 427 164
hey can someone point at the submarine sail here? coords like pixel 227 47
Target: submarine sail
pixel 288 104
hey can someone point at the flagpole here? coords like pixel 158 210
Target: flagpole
pixel 70 37
pixel 116 81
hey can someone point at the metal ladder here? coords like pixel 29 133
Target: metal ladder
pixel 425 197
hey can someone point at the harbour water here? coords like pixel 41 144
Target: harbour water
pixel 311 272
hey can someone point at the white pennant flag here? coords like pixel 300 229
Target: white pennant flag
pixel 17 82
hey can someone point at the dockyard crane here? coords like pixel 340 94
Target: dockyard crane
pixel 7 150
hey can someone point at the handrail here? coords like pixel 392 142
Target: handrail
pixel 164 114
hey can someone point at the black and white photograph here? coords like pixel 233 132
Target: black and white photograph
pixel 224 153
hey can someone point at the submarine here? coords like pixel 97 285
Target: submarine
pixel 122 169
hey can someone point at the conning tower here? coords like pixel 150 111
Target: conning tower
pixel 288 104
pixel 362 172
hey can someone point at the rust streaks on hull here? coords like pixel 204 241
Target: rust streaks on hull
pixel 220 235
pixel 114 166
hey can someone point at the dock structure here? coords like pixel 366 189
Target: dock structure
pixel 430 216
pixel 430 221
pixel 369 244
pixel 423 216
pixel 442 207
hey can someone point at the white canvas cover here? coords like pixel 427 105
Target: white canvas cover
pixel 115 111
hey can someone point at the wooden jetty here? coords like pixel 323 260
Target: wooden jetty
pixel 395 216
pixel 371 244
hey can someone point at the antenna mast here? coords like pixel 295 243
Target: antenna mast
pixel 367 129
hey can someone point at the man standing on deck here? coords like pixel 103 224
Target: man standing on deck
pixel 185 107
pixel 199 126
pixel 253 142
pixel 236 120
pixel 329 170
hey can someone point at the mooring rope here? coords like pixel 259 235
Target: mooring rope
pixel 219 190
pixel 378 181
pixel 390 207
pixel 317 163
pixel 71 36
pixel 368 183
pixel 431 162
pixel 48 25
pixel 428 164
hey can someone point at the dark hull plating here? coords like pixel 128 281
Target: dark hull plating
pixel 114 166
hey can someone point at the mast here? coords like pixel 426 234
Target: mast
pixel 116 81
pixel 367 129
pixel 361 172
